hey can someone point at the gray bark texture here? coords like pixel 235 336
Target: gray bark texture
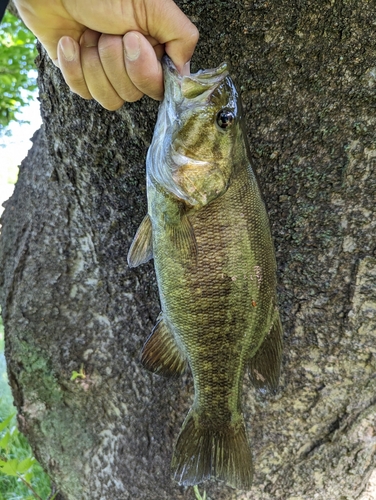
pixel 307 74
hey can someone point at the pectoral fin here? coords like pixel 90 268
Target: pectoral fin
pixel 264 367
pixel 183 238
pixel 141 250
pixel 161 354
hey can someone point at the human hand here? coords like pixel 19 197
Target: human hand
pixel 86 41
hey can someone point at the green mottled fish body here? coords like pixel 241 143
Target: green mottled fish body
pixel 208 232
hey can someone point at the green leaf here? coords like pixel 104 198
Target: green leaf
pixel 4 441
pixel 29 476
pixel 9 467
pixel 80 374
pixel 25 465
pixel 6 422
pixel 7 80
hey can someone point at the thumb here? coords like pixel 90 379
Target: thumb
pixel 171 27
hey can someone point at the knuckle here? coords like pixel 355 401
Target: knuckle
pixel 109 46
pixel 195 35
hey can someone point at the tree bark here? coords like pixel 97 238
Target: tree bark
pixel 307 75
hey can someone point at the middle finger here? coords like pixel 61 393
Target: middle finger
pixel 96 80
pixel 111 53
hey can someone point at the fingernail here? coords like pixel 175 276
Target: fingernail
pixel 90 39
pixel 131 46
pixel 68 48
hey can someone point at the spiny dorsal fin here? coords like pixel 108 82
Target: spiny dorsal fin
pixel 161 354
pixel 183 237
pixel 141 250
pixel 264 367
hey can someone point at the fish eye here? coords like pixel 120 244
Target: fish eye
pixel 225 118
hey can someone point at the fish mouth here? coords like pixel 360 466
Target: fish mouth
pixel 193 85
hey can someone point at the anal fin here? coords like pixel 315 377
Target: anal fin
pixel 265 366
pixel 141 250
pixel 161 354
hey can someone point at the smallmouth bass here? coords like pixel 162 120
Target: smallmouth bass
pixel 208 232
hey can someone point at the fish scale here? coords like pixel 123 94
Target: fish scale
pixel 208 232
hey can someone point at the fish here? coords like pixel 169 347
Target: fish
pixel 207 230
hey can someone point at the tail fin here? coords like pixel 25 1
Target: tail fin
pixel 202 452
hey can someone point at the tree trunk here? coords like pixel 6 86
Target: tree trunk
pixel 307 75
